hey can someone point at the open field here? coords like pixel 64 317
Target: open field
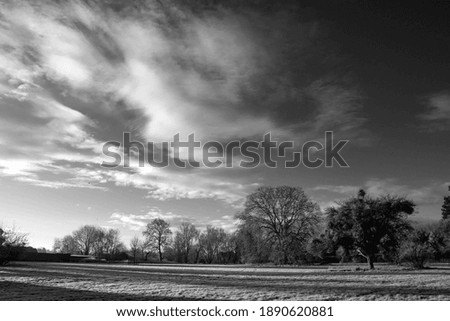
pixel 69 281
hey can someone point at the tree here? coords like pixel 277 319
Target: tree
pixel 12 244
pixel 157 235
pixel 98 242
pixel 229 251
pixel 286 216
pixel 417 248
pixel 65 245
pixel 210 243
pixel 252 244
pixel 135 245
pixel 185 237
pixel 339 232
pixel 91 240
pixel 371 223
pixel 85 238
pixel 446 208
pixel 111 244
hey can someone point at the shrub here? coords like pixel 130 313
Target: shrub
pixel 417 249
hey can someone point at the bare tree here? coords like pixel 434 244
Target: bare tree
pixel 211 242
pixel 135 245
pixel 185 238
pixel 157 235
pixel 65 245
pixel 286 216
pixel 85 238
pixel 111 242
pixel 99 242
pixel 12 243
pixel 12 237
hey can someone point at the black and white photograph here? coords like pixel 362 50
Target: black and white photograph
pixel 225 150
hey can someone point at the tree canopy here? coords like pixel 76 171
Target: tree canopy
pixel 446 208
pixel 285 216
pixel 157 234
pixel 368 224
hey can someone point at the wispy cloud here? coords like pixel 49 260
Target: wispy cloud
pixel 437 114
pixel 76 74
pixel 137 222
pixel 431 193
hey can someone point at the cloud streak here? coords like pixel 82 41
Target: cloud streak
pixel 77 74
pixel 437 114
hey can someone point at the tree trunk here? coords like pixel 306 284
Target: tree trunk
pixel 160 254
pixel 369 257
pixel 197 256
pixel 370 260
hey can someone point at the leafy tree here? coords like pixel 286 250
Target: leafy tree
pixel 368 224
pixel 440 239
pixel 157 235
pixel 446 208
pixel 286 216
pixel 417 249
pixel 320 249
pixel 340 232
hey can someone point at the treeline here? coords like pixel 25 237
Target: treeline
pixel 282 225
pixel 279 225
pixel 93 240
pixel 188 245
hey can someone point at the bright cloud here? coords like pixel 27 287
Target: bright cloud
pixel 75 75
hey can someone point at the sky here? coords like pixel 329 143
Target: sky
pixel 75 75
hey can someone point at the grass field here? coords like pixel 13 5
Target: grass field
pixel 67 281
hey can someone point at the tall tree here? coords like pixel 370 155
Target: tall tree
pixel 135 244
pixel 2 237
pixel 252 244
pixel 211 242
pixel 111 242
pixel 85 238
pixel 446 208
pixel 157 235
pixel 66 245
pixel 186 235
pixel 371 222
pixel 287 217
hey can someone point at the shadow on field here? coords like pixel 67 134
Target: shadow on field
pixel 247 271
pixel 337 283
pixel 15 291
